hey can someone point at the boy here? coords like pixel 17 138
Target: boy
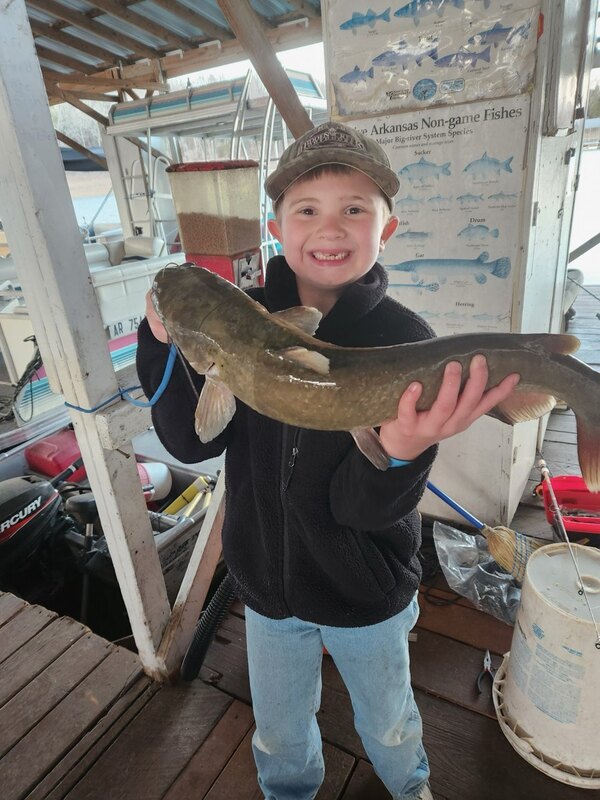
pixel 321 545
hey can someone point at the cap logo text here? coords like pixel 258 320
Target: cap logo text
pixel 330 137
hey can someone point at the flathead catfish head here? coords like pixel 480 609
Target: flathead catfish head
pixel 184 298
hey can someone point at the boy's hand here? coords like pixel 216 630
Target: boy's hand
pixel 452 411
pixel 156 326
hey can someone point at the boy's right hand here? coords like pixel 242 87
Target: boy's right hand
pixel 158 329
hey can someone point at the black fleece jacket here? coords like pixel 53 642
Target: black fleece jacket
pixel 311 528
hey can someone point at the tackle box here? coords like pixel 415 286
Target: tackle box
pixel 572 495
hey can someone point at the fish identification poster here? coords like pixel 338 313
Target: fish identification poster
pixel 455 254
pixel 412 54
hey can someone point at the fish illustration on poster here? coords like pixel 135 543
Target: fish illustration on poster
pixel 455 255
pixel 413 54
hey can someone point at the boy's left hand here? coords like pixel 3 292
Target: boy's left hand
pixel 452 411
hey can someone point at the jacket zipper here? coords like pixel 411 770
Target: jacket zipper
pixel 288 461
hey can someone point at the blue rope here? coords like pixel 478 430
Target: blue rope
pixel 124 393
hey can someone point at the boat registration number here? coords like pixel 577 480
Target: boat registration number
pixel 123 326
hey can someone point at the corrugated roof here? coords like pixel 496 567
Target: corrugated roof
pixel 80 39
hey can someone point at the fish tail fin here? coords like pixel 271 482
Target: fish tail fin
pixel 446 168
pixel 370 72
pixel 495 233
pixel 434 54
pixel 386 14
pixel 588 450
pixel 485 55
pixel 502 268
pixel 507 163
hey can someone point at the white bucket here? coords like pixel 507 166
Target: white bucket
pixel 547 691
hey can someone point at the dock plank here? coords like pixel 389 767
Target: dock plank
pixel 468 625
pixel 10 605
pixel 211 758
pixel 37 654
pixel 238 780
pixel 79 758
pixel 471 759
pixel 37 752
pixel 23 627
pixel 155 746
pixel 364 784
pixel 449 669
pixel 41 694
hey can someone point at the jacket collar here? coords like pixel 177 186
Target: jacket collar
pixel 355 302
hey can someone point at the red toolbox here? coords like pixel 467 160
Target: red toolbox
pixel 580 508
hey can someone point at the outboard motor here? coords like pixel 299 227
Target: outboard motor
pixel 33 555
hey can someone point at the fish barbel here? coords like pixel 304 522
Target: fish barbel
pixel 272 363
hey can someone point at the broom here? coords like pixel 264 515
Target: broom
pixel 509 549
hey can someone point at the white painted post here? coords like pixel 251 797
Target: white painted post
pixel 37 213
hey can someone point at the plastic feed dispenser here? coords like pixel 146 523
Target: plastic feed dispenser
pixel 217 205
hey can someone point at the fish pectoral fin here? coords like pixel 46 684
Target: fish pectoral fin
pixel 368 442
pixel 304 317
pixel 215 409
pixel 309 359
pixel 521 406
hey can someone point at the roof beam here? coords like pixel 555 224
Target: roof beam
pixel 62 137
pixel 85 23
pixel 143 23
pixel 195 18
pixel 69 97
pixel 249 32
pixel 106 80
pixel 58 35
pixel 63 60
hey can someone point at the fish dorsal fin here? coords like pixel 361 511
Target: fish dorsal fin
pixel 523 406
pixel 304 317
pixel 309 359
pixel 215 409
pixel 483 257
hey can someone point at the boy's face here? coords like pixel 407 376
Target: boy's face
pixel 332 228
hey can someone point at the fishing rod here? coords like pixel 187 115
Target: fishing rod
pixel 563 532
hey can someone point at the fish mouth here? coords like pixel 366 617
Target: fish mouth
pixel 330 256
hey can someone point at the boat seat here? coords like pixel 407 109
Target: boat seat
pixel 144 246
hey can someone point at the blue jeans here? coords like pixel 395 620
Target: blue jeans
pixel 284 660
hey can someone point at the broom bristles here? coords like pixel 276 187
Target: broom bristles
pixel 511 550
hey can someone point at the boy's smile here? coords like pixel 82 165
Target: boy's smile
pixel 332 228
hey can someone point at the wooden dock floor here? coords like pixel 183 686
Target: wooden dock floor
pixel 79 720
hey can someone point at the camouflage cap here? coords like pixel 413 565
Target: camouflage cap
pixel 333 143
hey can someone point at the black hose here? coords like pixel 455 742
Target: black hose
pixel 209 621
